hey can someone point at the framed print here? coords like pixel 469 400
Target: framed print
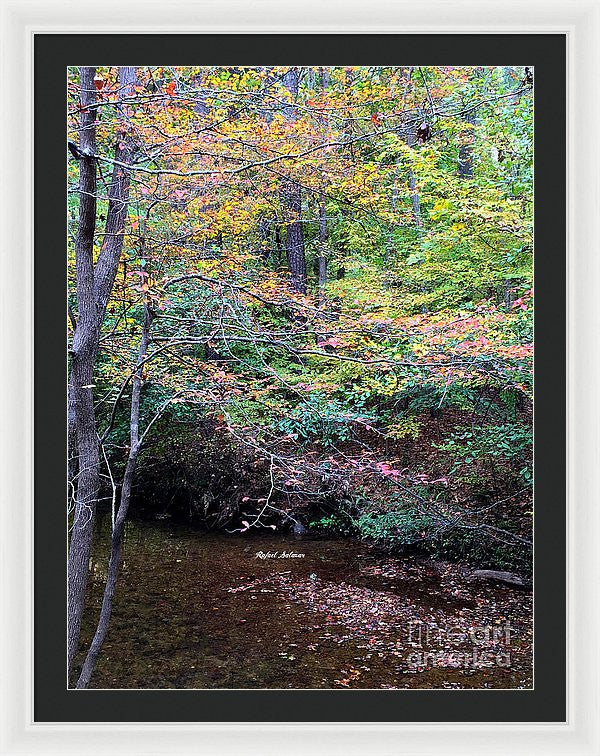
pixel 308 460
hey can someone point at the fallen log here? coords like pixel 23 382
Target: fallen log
pixel 508 578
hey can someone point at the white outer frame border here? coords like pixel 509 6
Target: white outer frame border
pixel 19 21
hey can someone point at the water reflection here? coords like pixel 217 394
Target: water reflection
pixel 196 610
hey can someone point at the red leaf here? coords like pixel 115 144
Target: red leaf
pixel 171 88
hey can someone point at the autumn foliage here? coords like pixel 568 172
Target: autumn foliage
pixel 391 396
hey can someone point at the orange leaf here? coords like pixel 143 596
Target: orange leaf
pixel 171 88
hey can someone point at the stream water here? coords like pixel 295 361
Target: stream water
pixel 197 610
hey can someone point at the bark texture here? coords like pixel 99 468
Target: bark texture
pixel 322 258
pixel 94 285
pixel 294 243
pixel 84 349
pixel 291 193
pixel 465 150
pixel 322 247
pixel 117 534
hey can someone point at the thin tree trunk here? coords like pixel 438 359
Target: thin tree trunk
pixel 412 186
pixel 84 349
pixel 94 285
pixel 294 243
pixel 322 261
pixel 292 201
pixel 264 236
pixel 394 206
pixel 278 244
pixel 349 124
pixel 414 197
pixel 322 248
pixel 465 149
pixel 416 207
pixel 507 294
pixel 418 221
pixel 119 526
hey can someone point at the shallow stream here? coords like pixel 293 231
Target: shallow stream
pixel 197 610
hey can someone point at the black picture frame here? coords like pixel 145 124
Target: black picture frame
pixel 53 701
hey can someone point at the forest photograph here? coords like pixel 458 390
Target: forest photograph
pixel 299 377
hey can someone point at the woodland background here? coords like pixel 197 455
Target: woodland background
pixel 301 298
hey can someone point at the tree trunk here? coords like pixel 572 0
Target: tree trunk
pixel 394 206
pixel 82 425
pixel 322 248
pixel 414 197
pixel 119 526
pixel 416 202
pixel 292 201
pixel 412 182
pixel 294 243
pixel 508 294
pixel 412 186
pixel 322 260
pixel 465 149
pixel 94 286
pixel 72 455
pixel 278 244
